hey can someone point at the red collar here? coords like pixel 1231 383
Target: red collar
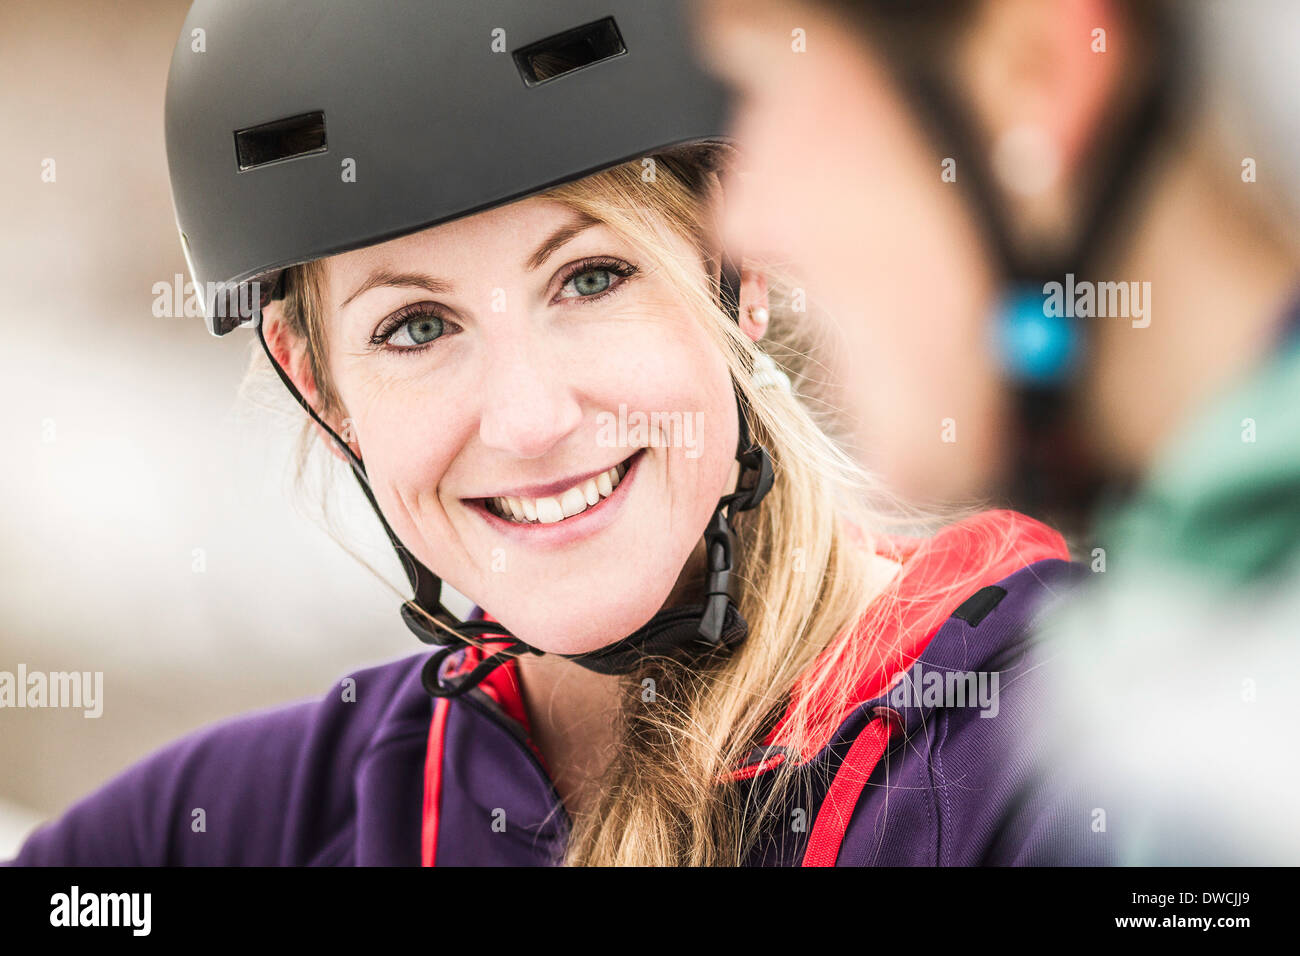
pixel 938 575
pixel 976 552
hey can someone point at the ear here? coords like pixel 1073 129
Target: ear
pixel 754 306
pixel 1042 76
pixel 289 351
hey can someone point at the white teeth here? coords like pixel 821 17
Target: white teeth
pixel 573 502
pixel 576 500
pixel 549 511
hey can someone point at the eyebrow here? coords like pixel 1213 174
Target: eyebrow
pixel 387 277
pixel 579 223
pixel 418 280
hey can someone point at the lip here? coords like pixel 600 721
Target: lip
pixel 594 519
pixel 549 490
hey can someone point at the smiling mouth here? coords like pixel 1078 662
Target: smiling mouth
pixel 556 508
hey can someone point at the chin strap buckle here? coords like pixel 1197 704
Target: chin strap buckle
pixel 753 484
pixel 719 547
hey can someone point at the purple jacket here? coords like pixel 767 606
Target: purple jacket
pixel 330 782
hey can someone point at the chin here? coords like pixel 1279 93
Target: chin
pixel 586 625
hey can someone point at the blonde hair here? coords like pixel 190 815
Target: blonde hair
pixel 804 572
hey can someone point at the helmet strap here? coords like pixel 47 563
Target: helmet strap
pixel 1040 356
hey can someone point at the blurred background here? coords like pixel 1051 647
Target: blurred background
pixel 148 527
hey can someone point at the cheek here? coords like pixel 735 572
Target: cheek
pixel 406 448
pixel 693 386
pixel 674 370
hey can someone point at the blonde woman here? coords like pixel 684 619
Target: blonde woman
pixel 697 644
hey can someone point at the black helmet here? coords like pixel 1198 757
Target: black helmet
pixel 302 129
pixel 306 128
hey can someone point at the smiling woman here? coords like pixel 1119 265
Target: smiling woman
pixel 683 655
pixel 546 321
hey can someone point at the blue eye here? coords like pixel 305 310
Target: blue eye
pixel 592 282
pixel 420 330
pixel 592 279
pixel 411 331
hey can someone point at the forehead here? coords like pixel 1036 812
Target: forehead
pixel 501 235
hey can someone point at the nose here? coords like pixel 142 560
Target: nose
pixel 527 405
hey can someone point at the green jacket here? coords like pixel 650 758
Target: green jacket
pixel 1178 667
pixel 1223 500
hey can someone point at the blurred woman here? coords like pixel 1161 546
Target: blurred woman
pixel 970 154
pixel 1070 230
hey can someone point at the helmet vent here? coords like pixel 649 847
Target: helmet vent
pixel 567 52
pixel 280 140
